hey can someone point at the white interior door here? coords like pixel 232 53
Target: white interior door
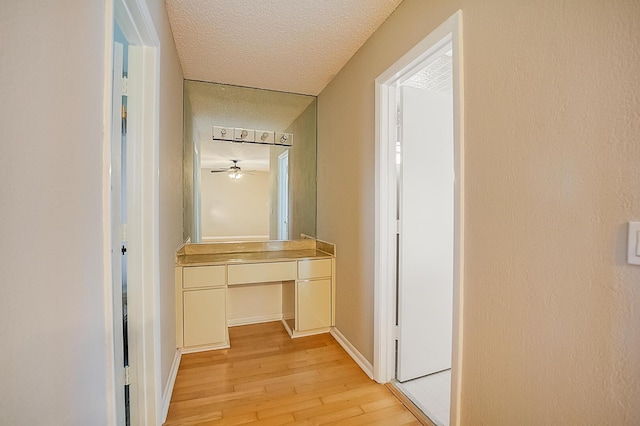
pixel 426 214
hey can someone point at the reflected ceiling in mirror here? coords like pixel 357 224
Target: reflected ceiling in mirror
pixel 216 211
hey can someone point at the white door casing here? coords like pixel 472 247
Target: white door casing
pixel 136 23
pixel 385 203
pixel 116 233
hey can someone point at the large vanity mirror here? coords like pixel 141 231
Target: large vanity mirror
pixel 249 163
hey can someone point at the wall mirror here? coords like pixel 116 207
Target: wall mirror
pixel 255 187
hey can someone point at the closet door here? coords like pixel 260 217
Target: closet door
pixel 425 262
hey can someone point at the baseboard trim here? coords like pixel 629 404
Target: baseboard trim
pixel 254 320
pixel 297 334
pixel 362 362
pixel 168 389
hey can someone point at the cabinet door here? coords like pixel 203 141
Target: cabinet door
pixel 314 304
pixel 204 317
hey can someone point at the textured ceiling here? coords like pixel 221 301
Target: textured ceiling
pixel 288 45
pixel 436 76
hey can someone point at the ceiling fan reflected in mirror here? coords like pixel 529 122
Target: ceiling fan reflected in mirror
pixel 234 172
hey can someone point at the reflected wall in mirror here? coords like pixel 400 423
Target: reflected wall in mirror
pixel 238 191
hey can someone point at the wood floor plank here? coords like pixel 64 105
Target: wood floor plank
pixel 267 378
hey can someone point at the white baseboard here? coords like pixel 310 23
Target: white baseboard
pixel 233 322
pixel 168 389
pixel 362 362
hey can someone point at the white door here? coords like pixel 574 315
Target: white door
pixel 426 215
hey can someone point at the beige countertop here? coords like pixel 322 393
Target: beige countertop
pixel 249 257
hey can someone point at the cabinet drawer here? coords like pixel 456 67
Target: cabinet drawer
pixel 262 272
pixel 203 276
pixel 319 268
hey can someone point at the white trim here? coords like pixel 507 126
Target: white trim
pixel 171 381
pixel 362 362
pixel 286 327
pixel 110 344
pixel 254 320
pixel 306 333
pixel 144 329
pixel 385 183
pixel 205 348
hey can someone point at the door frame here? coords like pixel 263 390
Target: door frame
pixel 283 196
pixel 116 228
pixel 385 204
pixel 135 20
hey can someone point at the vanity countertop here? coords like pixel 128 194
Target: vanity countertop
pixel 249 257
pixel 228 253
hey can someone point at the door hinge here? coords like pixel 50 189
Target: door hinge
pixel 125 80
pixel 123 250
pixel 126 376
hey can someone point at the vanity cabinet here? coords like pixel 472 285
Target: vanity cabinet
pixel 307 276
pixel 313 295
pixel 202 307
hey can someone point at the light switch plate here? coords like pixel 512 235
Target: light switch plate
pixel 633 244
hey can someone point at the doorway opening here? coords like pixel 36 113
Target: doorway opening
pixel 283 196
pixel 424 288
pixel 130 186
pixel 119 219
pixel 419 226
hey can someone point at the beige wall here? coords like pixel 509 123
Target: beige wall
pixel 52 316
pixel 234 208
pixel 169 181
pixel 551 162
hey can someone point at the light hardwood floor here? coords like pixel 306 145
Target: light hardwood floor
pixel 267 378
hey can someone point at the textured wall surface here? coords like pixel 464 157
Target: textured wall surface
pixel 551 308
pixel 52 318
pixel 302 174
pixel 169 181
pixel 190 137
